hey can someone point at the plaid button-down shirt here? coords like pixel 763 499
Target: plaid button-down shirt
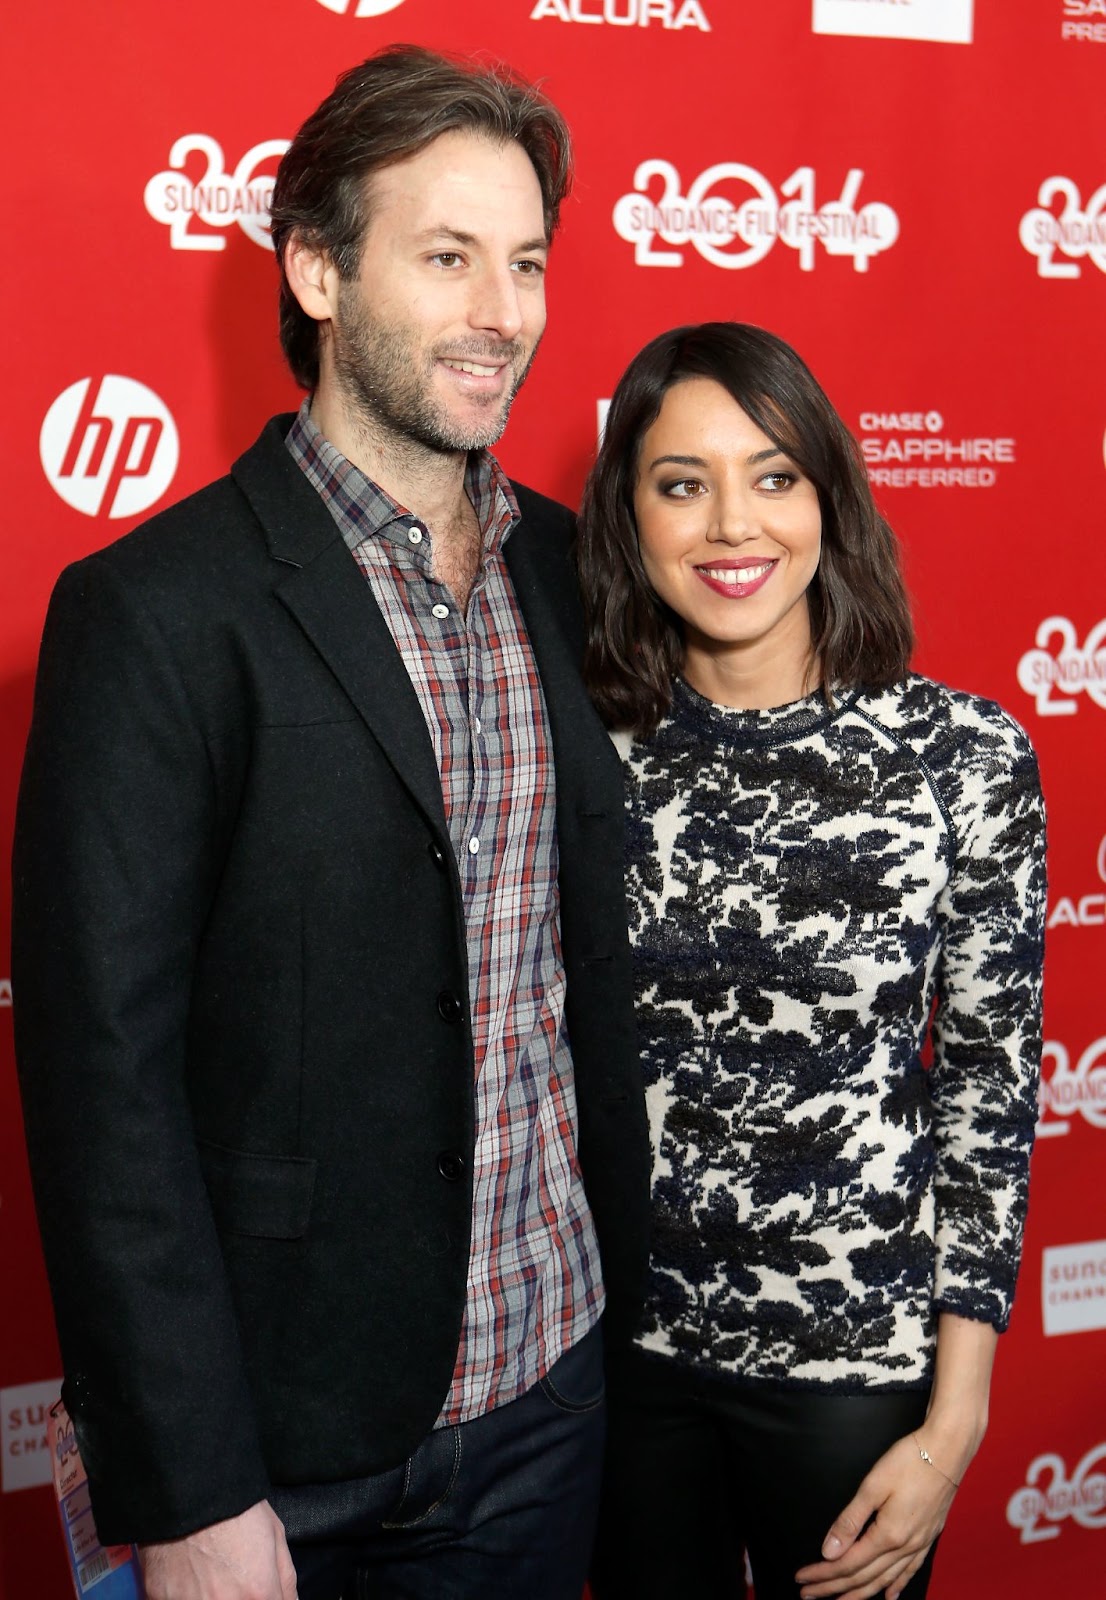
pixel 534 1285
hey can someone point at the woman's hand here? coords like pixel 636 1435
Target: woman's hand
pixel 909 1500
pixel 907 1496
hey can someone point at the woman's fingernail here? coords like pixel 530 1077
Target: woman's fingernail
pixel 832 1547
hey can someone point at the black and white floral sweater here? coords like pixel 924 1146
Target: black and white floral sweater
pixel 806 889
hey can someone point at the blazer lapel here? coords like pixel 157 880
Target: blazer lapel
pixel 323 589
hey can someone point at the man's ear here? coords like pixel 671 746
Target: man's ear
pixel 312 278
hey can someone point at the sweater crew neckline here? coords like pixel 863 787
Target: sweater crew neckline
pixel 731 725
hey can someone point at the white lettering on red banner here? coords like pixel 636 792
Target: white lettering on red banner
pixel 1073 1288
pixel 1079 24
pixel 1048 1496
pixel 1085 910
pixel 946 21
pixel 673 14
pixel 910 450
pixel 213 198
pixel 110 448
pixel 24 1409
pixel 710 223
pixel 1068 1092
pixel 1075 231
pixel 1061 665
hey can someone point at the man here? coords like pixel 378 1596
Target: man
pixel 322 982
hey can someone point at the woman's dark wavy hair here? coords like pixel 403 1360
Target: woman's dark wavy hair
pixel 390 107
pixel 859 612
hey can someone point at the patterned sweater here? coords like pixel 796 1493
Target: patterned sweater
pixel 811 892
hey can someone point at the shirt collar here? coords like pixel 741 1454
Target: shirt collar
pixel 362 509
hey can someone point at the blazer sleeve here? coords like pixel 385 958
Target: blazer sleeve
pixel 116 858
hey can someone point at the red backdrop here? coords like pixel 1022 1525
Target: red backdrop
pixel 913 195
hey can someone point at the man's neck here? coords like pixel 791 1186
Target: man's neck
pixel 429 483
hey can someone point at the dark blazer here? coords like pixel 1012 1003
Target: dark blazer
pixel 241 1015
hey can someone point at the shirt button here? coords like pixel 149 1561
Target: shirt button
pixel 449 1006
pixel 414 535
pixel 474 846
pixel 441 612
pixel 451 1165
pixel 477 725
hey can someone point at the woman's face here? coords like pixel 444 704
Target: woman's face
pixel 730 533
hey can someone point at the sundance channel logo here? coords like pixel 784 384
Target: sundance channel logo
pixel 946 21
pixel 915 450
pixel 1073 1288
pixel 25 1410
pixel 109 447
pixel 213 197
pixel 737 229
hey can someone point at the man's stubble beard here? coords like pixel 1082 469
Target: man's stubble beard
pixel 386 382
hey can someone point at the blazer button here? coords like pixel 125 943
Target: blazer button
pixel 436 854
pixel 451 1165
pixel 449 1007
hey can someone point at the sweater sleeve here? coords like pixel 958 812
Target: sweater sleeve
pixel 987 1027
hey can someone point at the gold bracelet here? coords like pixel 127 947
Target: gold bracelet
pixel 928 1459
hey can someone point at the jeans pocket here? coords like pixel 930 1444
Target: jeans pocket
pixel 575 1380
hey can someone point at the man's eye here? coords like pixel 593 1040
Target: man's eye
pixel 446 258
pixel 530 269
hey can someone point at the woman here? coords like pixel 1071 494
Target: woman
pixel 828 858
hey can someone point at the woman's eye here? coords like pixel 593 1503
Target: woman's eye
pixel 777 482
pixel 682 488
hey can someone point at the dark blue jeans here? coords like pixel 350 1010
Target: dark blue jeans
pixel 501 1508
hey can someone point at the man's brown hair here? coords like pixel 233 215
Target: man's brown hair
pixel 390 107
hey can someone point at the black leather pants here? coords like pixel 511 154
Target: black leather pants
pixel 700 1470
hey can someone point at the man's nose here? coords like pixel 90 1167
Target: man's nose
pixel 495 303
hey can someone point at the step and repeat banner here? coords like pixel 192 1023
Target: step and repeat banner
pixel 912 192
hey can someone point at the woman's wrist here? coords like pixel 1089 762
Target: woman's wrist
pixel 952 1436
pixel 957 1417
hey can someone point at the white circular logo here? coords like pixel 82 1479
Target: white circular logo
pixel 361 8
pixel 110 448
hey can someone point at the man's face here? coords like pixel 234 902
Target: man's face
pixel 434 335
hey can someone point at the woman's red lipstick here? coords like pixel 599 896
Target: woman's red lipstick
pixel 733 585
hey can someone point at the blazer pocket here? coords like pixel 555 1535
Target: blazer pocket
pixel 263 1197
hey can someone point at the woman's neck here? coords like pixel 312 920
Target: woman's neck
pixel 752 678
